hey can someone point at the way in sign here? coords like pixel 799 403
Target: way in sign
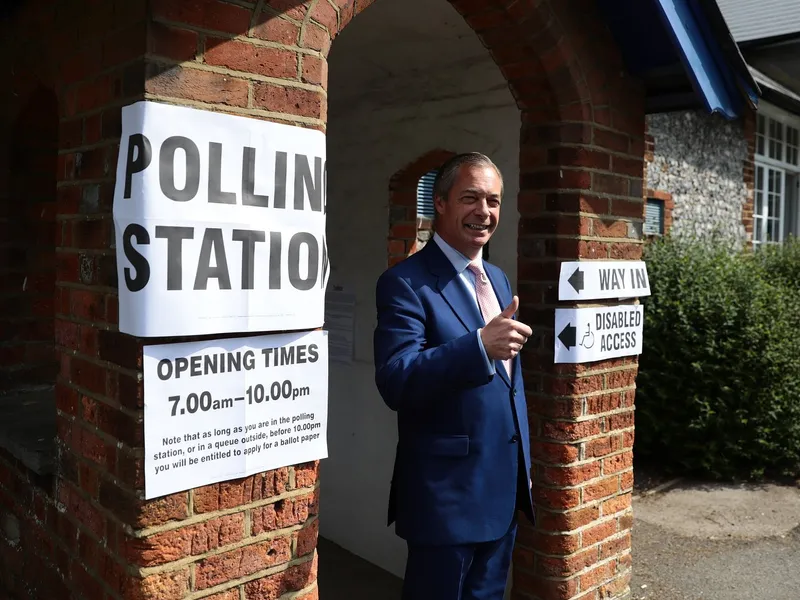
pixel 588 280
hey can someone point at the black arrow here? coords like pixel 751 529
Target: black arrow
pixel 576 280
pixel 568 337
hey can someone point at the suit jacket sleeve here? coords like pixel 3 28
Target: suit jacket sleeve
pixel 407 372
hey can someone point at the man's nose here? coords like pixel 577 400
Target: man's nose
pixel 482 208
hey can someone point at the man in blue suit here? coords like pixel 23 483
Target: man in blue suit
pixel 447 361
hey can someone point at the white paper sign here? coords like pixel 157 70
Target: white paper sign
pixel 593 334
pixel 340 317
pixel 223 409
pixel 220 223
pixel 596 280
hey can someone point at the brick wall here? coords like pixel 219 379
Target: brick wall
pixel 27 245
pixel 90 534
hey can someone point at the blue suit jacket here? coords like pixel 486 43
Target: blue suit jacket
pixel 462 430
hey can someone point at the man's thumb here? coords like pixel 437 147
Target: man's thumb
pixel 509 310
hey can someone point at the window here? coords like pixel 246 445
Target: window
pixel 777 162
pixel 425 207
pixel 654 217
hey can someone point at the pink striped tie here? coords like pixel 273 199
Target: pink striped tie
pixel 487 300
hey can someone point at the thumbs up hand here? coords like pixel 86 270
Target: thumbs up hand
pixel 503 337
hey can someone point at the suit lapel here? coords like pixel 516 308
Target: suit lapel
pixel 452 288
pixel 503 301
pixel 459 299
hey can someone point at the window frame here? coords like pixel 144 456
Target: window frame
pixel 788 171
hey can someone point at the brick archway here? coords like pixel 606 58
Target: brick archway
pixel 406 228
pixel 581 148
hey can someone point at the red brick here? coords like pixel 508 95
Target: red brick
pixel 228 595
pixel 556 499
pixel 592 250
pixel 579 157
pixel 173 585
pixel 289 100
pixel 197 539
pixel 627 166
pixel 163 510
pixel 615 547
pixel 315 70
pixel 621 379
pixel 289 8
pixel 192 84
pixel 208 14
pixel 554 453
pixel 567 521
pixel 238 492
pixel 609 229
pixel 605 403
pixel 621 251
pixel 569 476
pixel 170 42
pixel 307 538
pixel 295 578
pixel 599 532
pixel 570 431
pixel 611 140
pixel 316 38
pixel 557 544
pixel 324 14
pixel 276 29
pixel 620 421
pixel 597 575
pixel 241 56
pixel 626 481
pixel 601 489
pixel 617 463
pixel 281 514
pixel 567 566
pixel 627 208
pixel 602 446
pixel 241 562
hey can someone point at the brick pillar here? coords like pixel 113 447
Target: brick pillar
pixel 581 198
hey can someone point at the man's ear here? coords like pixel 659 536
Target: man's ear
pixel 438 204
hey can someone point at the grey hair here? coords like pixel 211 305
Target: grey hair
pixel 446 177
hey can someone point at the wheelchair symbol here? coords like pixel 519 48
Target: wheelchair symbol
pixel 588 337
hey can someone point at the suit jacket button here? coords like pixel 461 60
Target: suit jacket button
pixel 514 392
pixel 514 438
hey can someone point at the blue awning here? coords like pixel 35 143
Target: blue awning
pixel 684 52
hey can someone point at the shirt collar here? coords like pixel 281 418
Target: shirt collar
pixel 456 258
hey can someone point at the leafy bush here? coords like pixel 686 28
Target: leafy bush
pixel 719 381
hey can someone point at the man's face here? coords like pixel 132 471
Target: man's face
pixel 468 217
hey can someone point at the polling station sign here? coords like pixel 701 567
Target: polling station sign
pixel 225 409
pixel 598 333
pixel 220 223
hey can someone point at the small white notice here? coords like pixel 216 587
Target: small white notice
pixel 224 409
pixel 340 308
pixel 594 334
pixel 597 280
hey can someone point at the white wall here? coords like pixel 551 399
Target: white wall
pixel 400 85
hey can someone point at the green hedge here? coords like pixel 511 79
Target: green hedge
pixel 719 380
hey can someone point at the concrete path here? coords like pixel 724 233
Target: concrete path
pixel 717 542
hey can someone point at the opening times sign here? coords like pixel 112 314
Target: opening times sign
pixel 224 409
pixel 220 223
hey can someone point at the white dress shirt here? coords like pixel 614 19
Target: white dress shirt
pixel 467 277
